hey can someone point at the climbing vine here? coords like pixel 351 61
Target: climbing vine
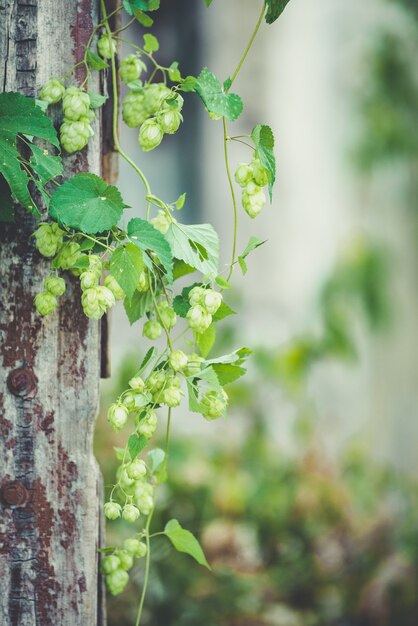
pixel 78 232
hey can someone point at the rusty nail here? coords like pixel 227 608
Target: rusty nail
pixel 14 493
pixel 22 383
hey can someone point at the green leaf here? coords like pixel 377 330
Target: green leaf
pixel 95 62
pixel 237 357
pixel 227 84
pixel 144 5
pixel 197 245
pixel 87 203
pixel 188 83
pixel 184 541
pixel 181 306
pixel 174 72
pixel 180 201
pixel 45 165
pixel 143 18
pixel 222 283
pixel 251 245
pixel 126 265
pixel 136 444
pixel 228 373
pixel 19 115
pixel 97 100
pixel 147 358
pixel 6 202
pixel 274 9
pixel 147 238
pixel 206 340
pixel 223 311
pixel 151 43
pixel 137 306
pixel 263 138
pixel 216 101
pixel 208 2
pixel 182 269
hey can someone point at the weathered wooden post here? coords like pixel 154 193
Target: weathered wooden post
pixel 49 480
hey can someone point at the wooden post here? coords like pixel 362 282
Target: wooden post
pixel 49 481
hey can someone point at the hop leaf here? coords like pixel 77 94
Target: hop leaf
pixel 274 9
pixel 263 138
pixel 184 541
pixel 216 101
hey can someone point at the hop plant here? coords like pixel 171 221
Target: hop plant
pixel 68 255
pixel 74 135
pixel 126 559
pixel 137 469
pixel 130 513
pixel 48 239
pixel 131 68
pixel 148 425
pixel 96 301
pixel 214 404
pixel 52 91
pixel 194 363
pixel 152 330
pixel 117 415
pixel 150 135
pixel 134 110
pixel 117 581
pixel 167 314
pixel 110 563
pixel 75 104
pixel 171 396
pixel 253 200
pixel 88 279
pixel 199 319
pixel 243 174
pixel 156 380
pixel 112 510
pixel 106 46
pixel 55 285
pixel 137 384
pixel 211 301
pixel 111 283
pixel 143 282
pixel 169 121
pixel 143 497
pixel 162 221
pixel 260 175
pixel 135 547
pixel 178 360
pixel 196 295
pixel 45 303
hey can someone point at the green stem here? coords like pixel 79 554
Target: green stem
pixel 116 108
pixel 147 567
pixel 250 43
pixel 167 437
pixel 234 200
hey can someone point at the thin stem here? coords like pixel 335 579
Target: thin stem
pixel 234 200
pixel 250 43
pixel 147 567
pixel 167 437
pixel 120 30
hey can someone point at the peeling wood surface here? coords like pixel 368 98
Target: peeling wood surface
pixel 49 481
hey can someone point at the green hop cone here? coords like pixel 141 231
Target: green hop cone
pixel 162 221
pixel 178 360
pixel 135 547
pixel 243 174
pixel 68 255
pixel 111 283
pixel 52 91
pixel 74 136
pixel 117 416
pixel 194 365
pixel 48 239
pixel 155 96
pixel 211 301
pixel 117 581
pixel 130 513
pixel 88 279
pixel 214 404
pixel 123 478
pixel 109 563
pixel 143 497
pixel 148 425
pixel 260 175
pixel 167 314
pixel 75 104
pixel 156 381
pixel 45 303
pixel 137 384
pixel 152 330
pixel 253 200
pixel 95 265
pixel 106 46
pixel 199 319
pixel 131 68
pixel 126 559
pixel 137 469
pixel 169 121
pixel 150 135
pixel 129 401
pixel 112 510
pixel 174 102
pixel 134 111
pixel 55 285
pixel 143 282
pixel 171 396
pixel 96 301
pixel 196 295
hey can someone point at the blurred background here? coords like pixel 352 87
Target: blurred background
pixel 305 498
